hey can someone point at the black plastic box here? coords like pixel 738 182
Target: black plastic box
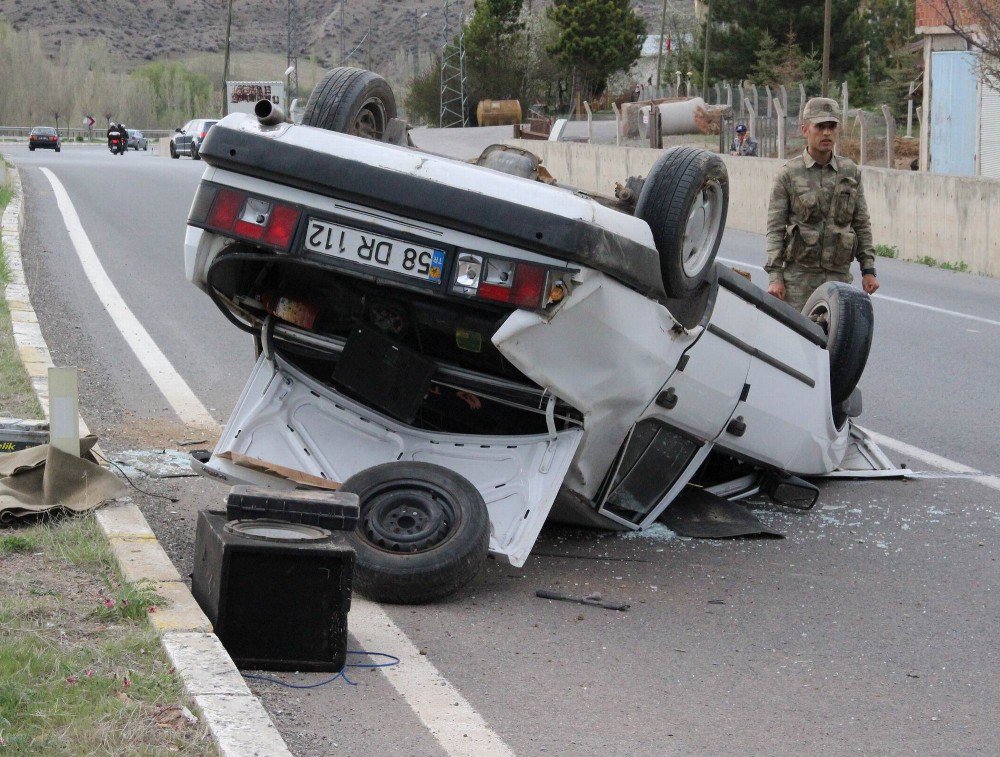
pixel 337 511
pixel 275 605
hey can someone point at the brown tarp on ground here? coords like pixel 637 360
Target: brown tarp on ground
pixel 43 478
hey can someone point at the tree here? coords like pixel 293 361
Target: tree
pixel 978 23
pixel 596 38
pixel 496 52
pixel 739 29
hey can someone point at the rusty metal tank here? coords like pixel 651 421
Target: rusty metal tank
pixel 498 112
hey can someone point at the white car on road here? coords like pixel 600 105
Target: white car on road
pixel 473 349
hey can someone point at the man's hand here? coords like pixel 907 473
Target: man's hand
pixel 869 283
pixel 777 288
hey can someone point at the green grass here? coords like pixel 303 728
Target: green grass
pixel 926 260
pixel 886 251
pixel 961 266
pixel 16 396
pixel 81 671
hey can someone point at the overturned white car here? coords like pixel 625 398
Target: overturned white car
pixel 473 351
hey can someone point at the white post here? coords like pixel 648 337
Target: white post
pixel 743 101
pixel 64 414
pixel 718 94
pixel 677 85
pixel 784 98
pixel 752 126
pixel 618 123
pixel 845 102
pixel 780 111
pixel 756 102
pixel 729 94
pixel 767 91
pixel 802 98
pixel 590 121
pixel 864 138
pixel 909 109
pixel 890 137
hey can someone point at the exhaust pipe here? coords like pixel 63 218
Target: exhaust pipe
pixel 269 114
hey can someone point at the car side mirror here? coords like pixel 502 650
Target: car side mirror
pixel 791 491
pixel 179 130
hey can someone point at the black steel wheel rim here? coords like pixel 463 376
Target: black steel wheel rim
pixel 408 516
pixel 371 119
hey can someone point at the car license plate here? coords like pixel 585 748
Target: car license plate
pixel 374 250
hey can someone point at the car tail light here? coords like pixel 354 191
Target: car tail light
pixel 203 134
pixel 523 285
pixel 238 214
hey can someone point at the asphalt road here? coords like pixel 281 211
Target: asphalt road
pixel 872 628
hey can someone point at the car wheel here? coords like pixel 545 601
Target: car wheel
pixel 846 314
pixel 351 101
pixel 58 149
pixel 194 153
pixel 31 149
pixel 173 152
pixel 145 147
pixel 684 199
pixel 423 532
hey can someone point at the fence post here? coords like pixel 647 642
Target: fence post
pixel 802 98
pixel 729 94
pixel 743 101
pixel 784 98
pixel 864 138
pixel 780 111
pixel 756 102
pixel 655 138
pixel 909 109
pixel 770 107
pixel 890 137
pixel 752 125
pixel 718 94
pixel 618 123
pixel 844 100
pixel 590 121
pixel 677 83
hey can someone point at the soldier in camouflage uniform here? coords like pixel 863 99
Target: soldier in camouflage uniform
pixel 818 220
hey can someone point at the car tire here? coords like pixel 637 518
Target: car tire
pixel 58 149
pixel 685 199
pixel 31 149
pixel 423 532
pixel 194 153
pixel 173 152
pixel 351 101
pixel 846 314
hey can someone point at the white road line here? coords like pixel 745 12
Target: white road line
pixel 184 402
pixel 936 460
pixel 740 263
pixel 447 714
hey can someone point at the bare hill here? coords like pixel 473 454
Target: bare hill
pixel 403 32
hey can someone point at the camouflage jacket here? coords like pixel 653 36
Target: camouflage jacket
pixel 818 218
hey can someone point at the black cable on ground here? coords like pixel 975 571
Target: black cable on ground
pixel 393 660
pixel 130 483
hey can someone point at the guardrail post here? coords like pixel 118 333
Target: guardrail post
pixel 618 123
pixel 890 137
pixel 780 110
pixel 590 121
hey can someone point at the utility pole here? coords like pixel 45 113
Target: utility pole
pixel 292 91
pixel 827 16
pixel 453 102
pixel 708 36
pixel 225 60
pixel 659 51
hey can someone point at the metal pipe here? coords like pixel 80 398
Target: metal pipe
pixel 269 114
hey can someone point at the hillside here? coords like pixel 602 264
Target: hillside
pixel 404 32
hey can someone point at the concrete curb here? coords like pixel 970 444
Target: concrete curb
pixel 238 722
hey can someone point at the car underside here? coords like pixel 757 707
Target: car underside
pixel 423 324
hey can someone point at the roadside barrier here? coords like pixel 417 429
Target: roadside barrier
pixel 947 218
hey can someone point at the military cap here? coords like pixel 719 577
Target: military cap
pixel 820 110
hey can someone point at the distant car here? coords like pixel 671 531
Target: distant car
pixel 44 137
pixel 136 140
pixel 188 139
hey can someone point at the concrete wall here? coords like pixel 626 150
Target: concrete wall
pixel 949 218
